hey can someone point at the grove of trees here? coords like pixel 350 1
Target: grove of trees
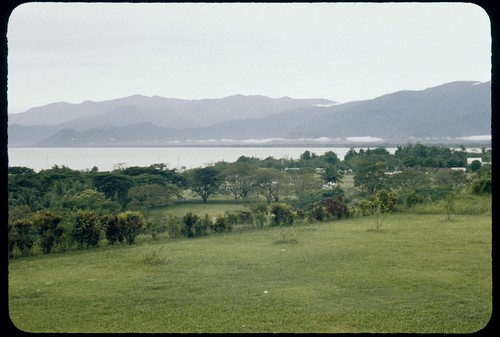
pixel 61 209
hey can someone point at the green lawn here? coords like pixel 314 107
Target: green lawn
pixel 418 273
pixel 213 207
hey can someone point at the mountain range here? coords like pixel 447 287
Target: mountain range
pixel 450 113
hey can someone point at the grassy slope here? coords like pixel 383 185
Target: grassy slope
pixel 418 273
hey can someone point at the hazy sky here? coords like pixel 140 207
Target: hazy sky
pixel 343 52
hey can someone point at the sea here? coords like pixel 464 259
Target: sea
pixel 110 158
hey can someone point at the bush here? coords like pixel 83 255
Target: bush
pixel 49 230
pixel 132 224
pixel 281 214
pixel 86 229
pixel 337 208
pixel 232 218
pixel 259 215
pixel 221 224
pixel 245 217
pixel 113 228
pixel 156 227
pixel 201 226
pixel 21 236
pixel 190 220
pixel 413 199
pixel 381 202
pixel 317 213
pixel 175 226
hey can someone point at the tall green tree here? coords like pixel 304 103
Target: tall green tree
pixel 269 183
pixel 147 197
pixel 114 185
pixel 237 180
pixel 203 181
pixel 370 176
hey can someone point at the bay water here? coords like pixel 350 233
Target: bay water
pixel 110 158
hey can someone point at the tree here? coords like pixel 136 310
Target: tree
pixel 475 165
pixel 93 200
pixel 204 182
pixel 237 181
pixel 330 158
pixel 303 183
pixel 332 175
pixel 115 186
pixel 481 183
pixel 371 176
pixel 269 183
pixel 146 197
pixel 380 203
pixel 411 185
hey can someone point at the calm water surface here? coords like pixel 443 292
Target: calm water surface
pixel 107 159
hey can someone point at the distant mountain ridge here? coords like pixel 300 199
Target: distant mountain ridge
pixel 446 113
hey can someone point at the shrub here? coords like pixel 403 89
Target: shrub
pixel 201 226
pixel 481 185
pixel 259 215
pixel 49 230
pixel 189 220
pixel 221 224
pixel 413 199
pixel 232 218
pixel 245 217
pixel 131 223
pixel 337 208
pixel 175 226
pixel 281 214
pixel 317 213
pixel 86 229
pixel 21 236
pixel 381 202
pixel 113 228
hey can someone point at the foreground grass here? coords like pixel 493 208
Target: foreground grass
pixel 418 273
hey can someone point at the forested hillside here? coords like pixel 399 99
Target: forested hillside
pixel 450 113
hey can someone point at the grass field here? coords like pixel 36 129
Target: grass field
pixel 418 273
pixel 214 207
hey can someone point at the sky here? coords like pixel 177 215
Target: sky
pixel 73 52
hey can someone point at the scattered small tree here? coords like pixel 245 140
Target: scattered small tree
pixel 449 205
pixel 204 182
pixel 380 203
pixel 475 165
